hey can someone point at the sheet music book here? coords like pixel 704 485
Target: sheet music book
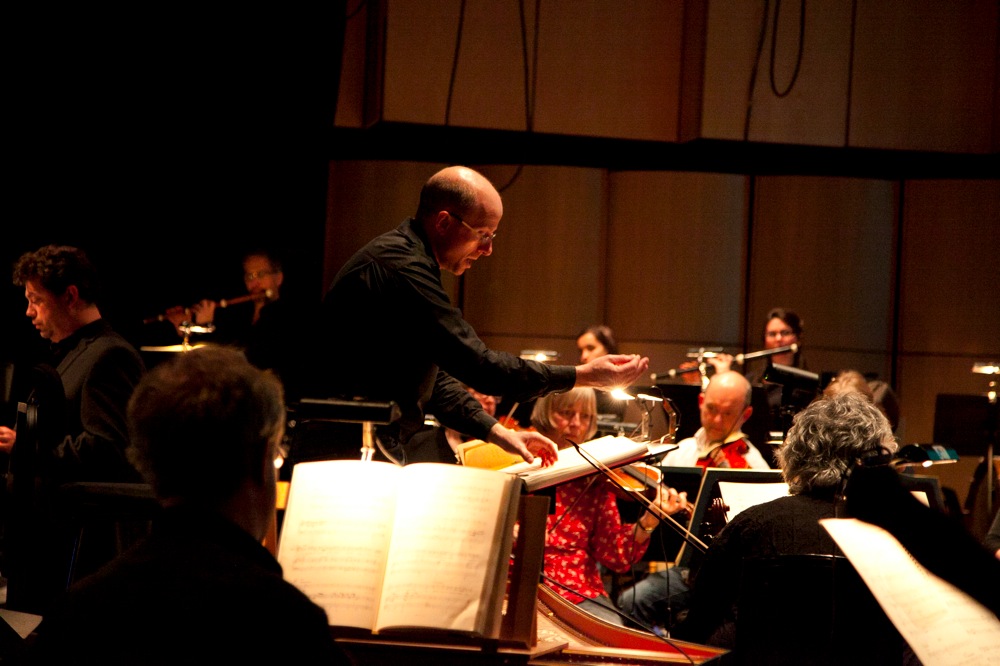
pixel 942 624
pixel 610 450
pixel 384 548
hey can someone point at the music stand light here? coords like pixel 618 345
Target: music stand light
pixel 541 355
pixel 646 402
pixel 368 414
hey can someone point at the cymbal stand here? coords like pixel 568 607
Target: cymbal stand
pixel 187 328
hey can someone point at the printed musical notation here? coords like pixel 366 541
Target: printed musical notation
pixel 382 546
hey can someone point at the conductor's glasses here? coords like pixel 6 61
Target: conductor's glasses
pixel 485 238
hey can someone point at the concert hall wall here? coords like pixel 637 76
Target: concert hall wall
pixel 641 189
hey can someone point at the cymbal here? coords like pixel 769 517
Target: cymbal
pixel 170 348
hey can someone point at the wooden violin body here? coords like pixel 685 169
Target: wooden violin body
pixel 640 479
pixel 733 455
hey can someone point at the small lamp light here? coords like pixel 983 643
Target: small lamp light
pixel 986 368
pixel 542 355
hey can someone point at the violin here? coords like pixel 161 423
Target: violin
pixel 733 455
pixel 512 423
pixel 642 479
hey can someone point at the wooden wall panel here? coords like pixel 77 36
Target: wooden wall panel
pixel 610 68
pixel 676 247
pixel 925 75
pixel 366 199
pixel 824 248
pixel 814 109
pixel 544 276
pixel 420 57
pixel 950 301
pixel 350 98
pixel 922 378
pixel 607 69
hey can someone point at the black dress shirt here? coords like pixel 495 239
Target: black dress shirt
pixel 391 333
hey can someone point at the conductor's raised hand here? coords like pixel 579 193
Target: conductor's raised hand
pixel 612 371
pixel 526 443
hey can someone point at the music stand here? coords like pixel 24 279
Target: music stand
pixel 684 397
pixel 330 410
pixel 968 424
pixel 708 492
pixel 992 424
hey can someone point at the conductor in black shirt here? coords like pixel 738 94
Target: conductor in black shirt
pixel 391 290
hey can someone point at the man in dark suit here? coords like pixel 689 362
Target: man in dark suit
pixel 80 391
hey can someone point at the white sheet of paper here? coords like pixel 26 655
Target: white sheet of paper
pixel 739 496
pixel 22 623
pixel 943 625
pixel 609 450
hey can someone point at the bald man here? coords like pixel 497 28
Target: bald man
pixel 724 407
pixel 391 332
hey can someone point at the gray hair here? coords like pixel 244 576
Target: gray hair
pixel 546 406
pixel 829 437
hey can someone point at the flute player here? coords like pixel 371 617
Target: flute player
pixel 264 325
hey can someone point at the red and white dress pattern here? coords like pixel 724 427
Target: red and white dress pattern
pixel 585 529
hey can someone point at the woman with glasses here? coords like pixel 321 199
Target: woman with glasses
pixel 585 528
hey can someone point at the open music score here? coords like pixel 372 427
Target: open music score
pixel 610 451
pixel 382 547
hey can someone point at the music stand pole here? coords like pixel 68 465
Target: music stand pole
pixel 991 424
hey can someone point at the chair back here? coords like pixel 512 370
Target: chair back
pixel 811 610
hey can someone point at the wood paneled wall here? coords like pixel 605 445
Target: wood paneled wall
pixel 890 74
pixel 673 260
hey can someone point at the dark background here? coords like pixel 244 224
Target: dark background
pixel 165 145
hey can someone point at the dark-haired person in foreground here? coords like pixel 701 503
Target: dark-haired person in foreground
pixel 201 589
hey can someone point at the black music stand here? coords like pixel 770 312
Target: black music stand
pixel 701 519
pixel 968 424
pixel 798 388
pixel 321 428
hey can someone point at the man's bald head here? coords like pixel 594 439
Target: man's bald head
pixel 463 191
pixel 725 404
pixel 459 210
pixel 731 383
